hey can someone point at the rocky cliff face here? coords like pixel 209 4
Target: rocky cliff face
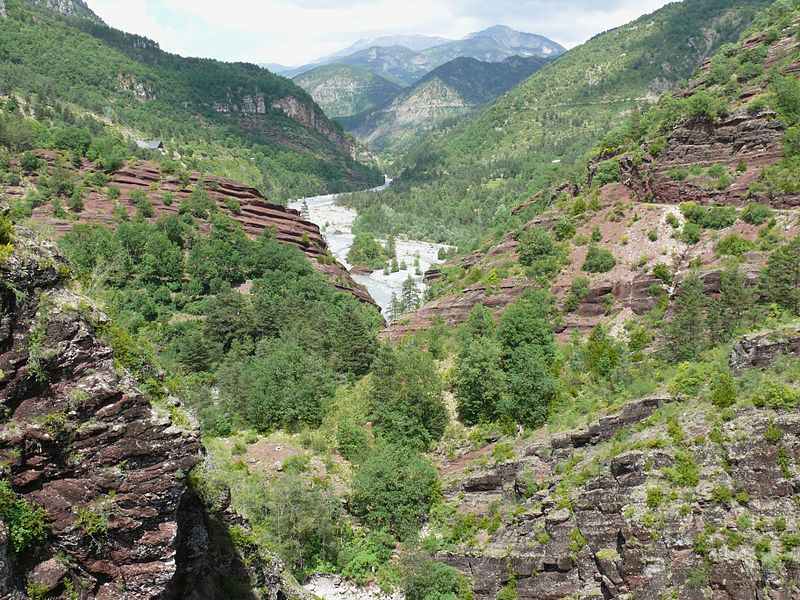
pixel 605 513
pixel 68 8
pixel 79 439
pixel 308 115
pixel 244 204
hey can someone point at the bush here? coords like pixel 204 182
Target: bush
pixel 775 394
pixel 662 272
pixel 724 392
pixel 599 260
pixel 607 172
pixel 691 233
pixel 535 244
pixel 426 579
pixel 564 229
pixel 394 488
pixel 29 162
pixel 756 214
pixel 27 524
pixel 406 397
pixel 108 153
pixel 352 441
pixel 734 245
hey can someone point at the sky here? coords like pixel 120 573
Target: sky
pixel 294 32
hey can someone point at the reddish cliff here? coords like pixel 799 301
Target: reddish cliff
pixel 244 204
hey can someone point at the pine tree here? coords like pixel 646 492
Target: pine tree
pixel 733 308
pixel 410 294
pixel 686 333
pixel 780 281
pixel 480 381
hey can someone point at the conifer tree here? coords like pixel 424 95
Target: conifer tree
pixel 686 333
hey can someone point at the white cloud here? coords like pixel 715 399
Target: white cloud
pixel 297 31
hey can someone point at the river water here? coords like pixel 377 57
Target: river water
pixel 336 223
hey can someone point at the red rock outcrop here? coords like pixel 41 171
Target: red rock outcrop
pixel 82 441
pixel 242 203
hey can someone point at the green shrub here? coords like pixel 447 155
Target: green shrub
pixel 685 472
pixel 691 233
pixel 734 245
pixel 756 214
pixel 426 579
pixel 599 260
pixel 607 172
pixel 662 272
pixel 564 229
pixel 775 394
pixel 29 162
pixel 724 393
pixel 394 488
pixel 352 441
pixel 27 523
pixel 722 495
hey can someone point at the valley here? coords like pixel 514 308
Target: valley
pixel 440 317
pixel 336 222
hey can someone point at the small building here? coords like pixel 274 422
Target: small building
pixel 150 144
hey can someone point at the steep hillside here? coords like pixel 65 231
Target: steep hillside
pixel 232 119
pixel 448 91
pixel 346 91
pixel 666 192
pixel 471 175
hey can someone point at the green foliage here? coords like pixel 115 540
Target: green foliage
pixel 685 472
pixel 686 332
pixel 774 394
pixel 302 523
pixel 662 272
pixel 714 217
pixel 723 394
pixel 599 260
pixel 722 495
pixel 366 251
pixel 564 229
pixel 108 153
pixel 394 488
pixel 607 172
pixel 780 279
pixel 352 441
pixel 26 522
pixel 426 579
pixel 406 397
pixel 756 214
pixel 734 245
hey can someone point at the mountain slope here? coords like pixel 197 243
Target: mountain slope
pixel 281 140
pixel 346 91
pixel 415 42
pixel 469 176
pixel 448 91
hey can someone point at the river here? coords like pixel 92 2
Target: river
pixel 336 223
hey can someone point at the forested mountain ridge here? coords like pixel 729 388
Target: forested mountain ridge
pixel 278 139
pixel 470 175
pixel 447 92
